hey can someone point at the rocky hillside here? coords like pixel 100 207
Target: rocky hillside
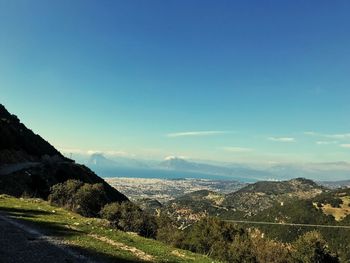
pixel 29 165
pixel 244 203
pixel 262 195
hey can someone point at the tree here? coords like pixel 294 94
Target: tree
pixel 312 248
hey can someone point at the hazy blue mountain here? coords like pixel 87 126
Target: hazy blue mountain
pixel 179 164
pixel 98 160
pixel 317 171
pixel 183 168
pixel 175 163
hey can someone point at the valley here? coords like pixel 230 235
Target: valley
pixel 164 190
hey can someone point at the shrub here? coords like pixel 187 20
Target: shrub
pixel 85 199
pixel 269 251
pixel 129 217
pixel 240 250
pixel 89 199
pixel 63 194
pixel 311 247
pixel 168 232
pixel 111 212
pixel 220 240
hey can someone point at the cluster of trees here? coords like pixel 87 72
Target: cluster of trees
pixel 90 200
pixel 304 211
pixel 210 236
pixel 228 243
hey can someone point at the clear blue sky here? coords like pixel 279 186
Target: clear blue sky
pixel 224 80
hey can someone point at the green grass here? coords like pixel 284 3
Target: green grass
pixel 76 231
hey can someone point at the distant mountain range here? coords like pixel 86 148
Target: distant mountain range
pixel 98 160
pixel 314 171
pixel 317 171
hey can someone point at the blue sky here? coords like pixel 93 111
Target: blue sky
pixel 240 81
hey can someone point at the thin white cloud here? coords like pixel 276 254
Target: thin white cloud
pixel 91 152
pixel 237 149
pixel 282 139
pixel 326 142
pixel 338 136
pixel 345 145
pixel 172 157
pixel 195 133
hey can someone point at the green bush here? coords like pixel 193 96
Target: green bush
pixel 89 199
pixel 129 217
pixel 85 199
pixel 220 240
pixel 168 231
pixel 311 247
pixel 111 212
pixel 63 194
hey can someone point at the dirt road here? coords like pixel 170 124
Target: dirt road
pixel 19 243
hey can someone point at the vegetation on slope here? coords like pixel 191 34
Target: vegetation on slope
pixel 319 210
pixel 91 236
pixel 244 203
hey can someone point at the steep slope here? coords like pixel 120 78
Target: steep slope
pixel 30 165
pixel 19 144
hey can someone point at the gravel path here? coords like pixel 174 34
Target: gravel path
pixel 20 243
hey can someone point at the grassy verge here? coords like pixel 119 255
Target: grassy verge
pixel 92 236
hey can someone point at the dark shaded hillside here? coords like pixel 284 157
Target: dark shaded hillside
pixel 30 165
pixel 19 144
pixel 36 181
